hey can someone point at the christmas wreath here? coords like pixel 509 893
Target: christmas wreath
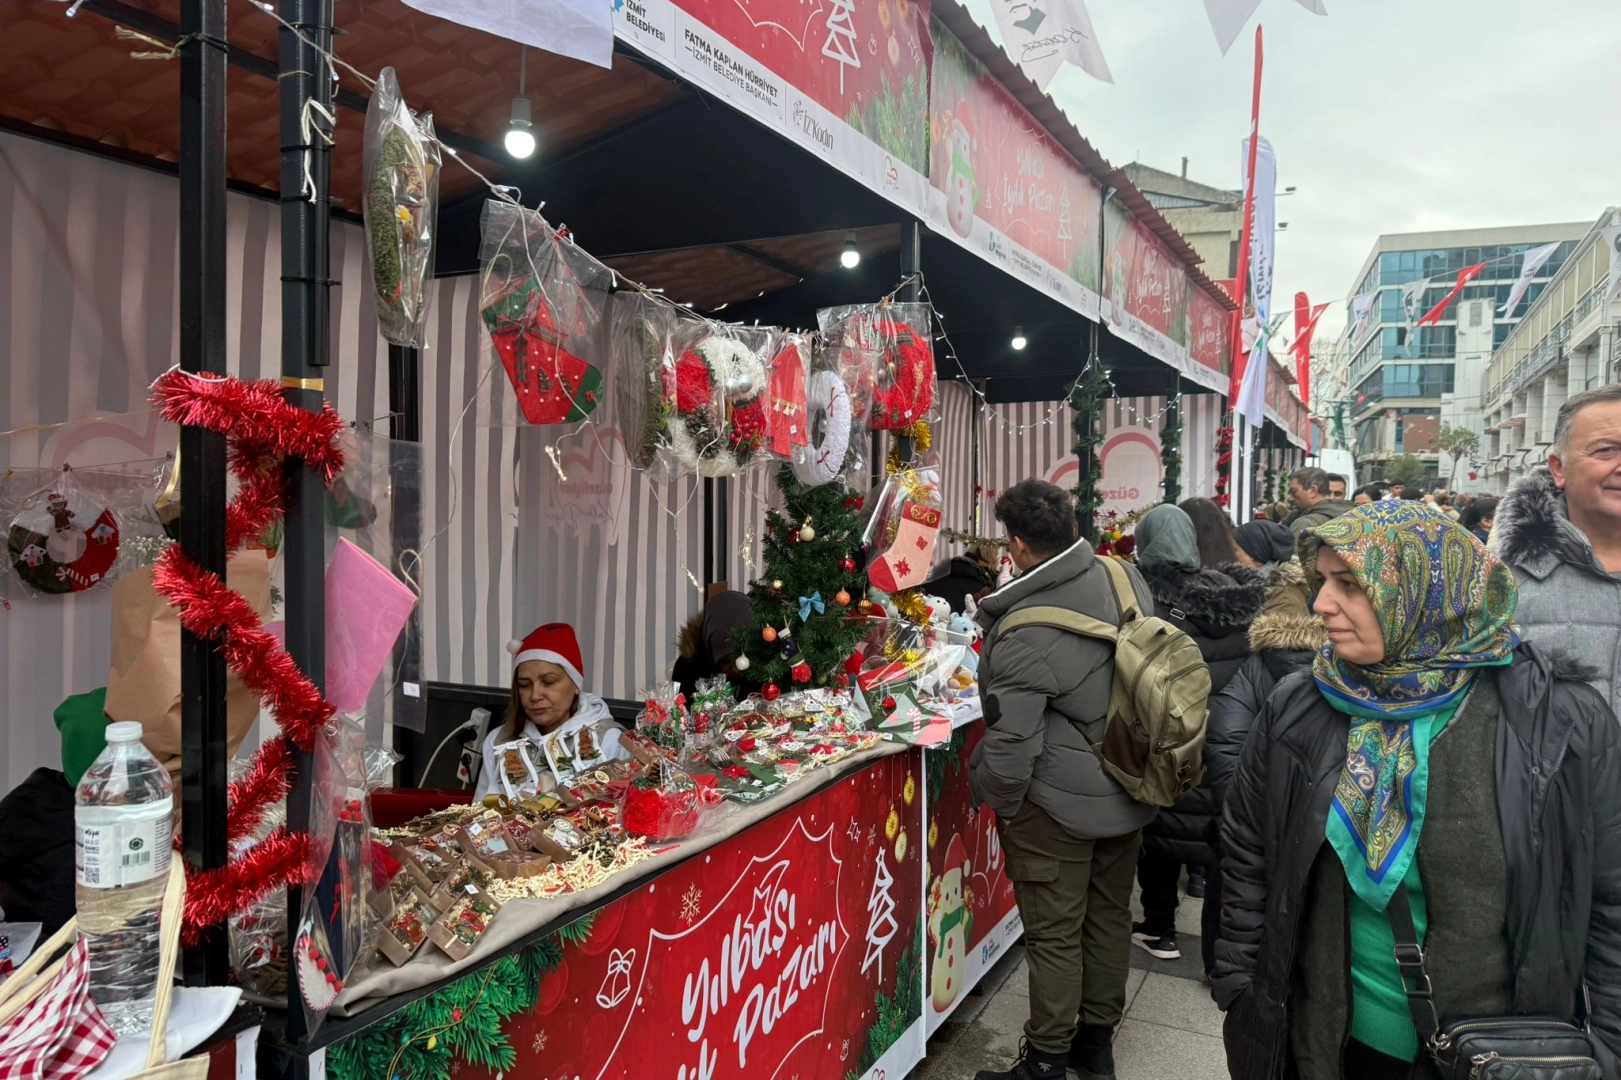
pixel 720 419
pixel 903 386
pixel 828 416
pixel 646 389
pixel 402 193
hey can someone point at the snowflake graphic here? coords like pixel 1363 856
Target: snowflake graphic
pixel 689 904
pixel 456 1066
pixel 540 1041
pixel 872 835
pixel 902 569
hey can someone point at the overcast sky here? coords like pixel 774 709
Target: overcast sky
pixel 1388 116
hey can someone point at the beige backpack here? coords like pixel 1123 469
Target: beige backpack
pixel 1153 740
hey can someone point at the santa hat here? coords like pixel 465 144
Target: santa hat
pixel 554 643
pixel 965 117
pixel 956 857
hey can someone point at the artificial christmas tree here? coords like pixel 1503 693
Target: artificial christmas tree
pixel 801 634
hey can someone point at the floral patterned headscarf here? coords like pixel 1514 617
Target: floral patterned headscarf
pixel 1445 607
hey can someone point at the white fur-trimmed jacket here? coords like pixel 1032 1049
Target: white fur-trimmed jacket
pixel 1568 602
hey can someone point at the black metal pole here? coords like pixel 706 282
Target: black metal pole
pixel 202 481
pixel 723 529
pixel 306 174
pixel 405 532
pixel 709 534
pixel 911 267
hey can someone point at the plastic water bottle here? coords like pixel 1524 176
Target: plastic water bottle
pixel 123 813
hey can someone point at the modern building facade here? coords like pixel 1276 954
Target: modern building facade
pixel 1562 345
pixel 1387 381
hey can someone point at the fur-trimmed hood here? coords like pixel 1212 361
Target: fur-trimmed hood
pixel 689 642
pixel 1216 603
pixel 1286 621
pixel 1533 533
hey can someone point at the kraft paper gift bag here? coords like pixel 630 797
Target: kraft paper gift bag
pixel 143 682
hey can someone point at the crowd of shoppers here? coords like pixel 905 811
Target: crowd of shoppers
pixel 1411 738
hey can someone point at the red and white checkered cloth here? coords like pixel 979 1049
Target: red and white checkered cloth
pixel 60 1035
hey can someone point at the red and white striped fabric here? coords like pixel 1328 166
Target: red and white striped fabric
pixel 59 1035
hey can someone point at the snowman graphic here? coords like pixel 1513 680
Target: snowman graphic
pixel 951 917
pixel 962 194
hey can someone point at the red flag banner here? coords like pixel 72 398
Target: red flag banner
pixel 1306 318
pixel 1467 275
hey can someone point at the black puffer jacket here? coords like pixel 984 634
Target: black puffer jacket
pixel 1215 608
pixel 1285 637
pixel 1558 755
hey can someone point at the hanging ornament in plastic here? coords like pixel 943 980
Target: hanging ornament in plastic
pixel 540 315
pixel 903 379
pixel 62 541
pixel 402 193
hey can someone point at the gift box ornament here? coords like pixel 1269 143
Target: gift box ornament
pixel 540 314
pixel 459 930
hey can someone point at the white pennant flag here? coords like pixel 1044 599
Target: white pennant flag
pixel 1533 262
pixel 1412 303
pixel 581 29
pixel 1251 403
pixel 1361 308
pixel 1227 17
pixel 1039 35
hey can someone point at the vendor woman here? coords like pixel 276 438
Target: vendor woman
pixel 553 727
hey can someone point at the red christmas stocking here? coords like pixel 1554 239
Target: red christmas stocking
pixel 906 564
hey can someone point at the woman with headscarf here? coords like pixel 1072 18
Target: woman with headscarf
pixel 1429 764
pixel 1214 607
pixel 1264 545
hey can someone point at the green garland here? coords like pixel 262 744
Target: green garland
pixel 461 1021
pixel 1170 445
pixel 1269 480
pixel 894 1014
pixel 1086 397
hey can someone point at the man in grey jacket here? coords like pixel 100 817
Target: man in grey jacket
pixel 1069 831
pixel 1560 529
pixel 1310 491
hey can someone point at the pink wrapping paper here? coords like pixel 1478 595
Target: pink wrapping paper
pixel 366 607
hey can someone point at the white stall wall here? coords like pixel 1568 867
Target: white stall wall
pixel 512 538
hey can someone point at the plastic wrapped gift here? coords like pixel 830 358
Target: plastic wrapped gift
pixel 366 608
pixel 901 531
pixel 667 804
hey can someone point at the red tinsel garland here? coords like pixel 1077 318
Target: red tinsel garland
pixel 261 429
pixel 267 780
pixel 212 896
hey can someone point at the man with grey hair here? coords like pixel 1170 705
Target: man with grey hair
pixel 1560 530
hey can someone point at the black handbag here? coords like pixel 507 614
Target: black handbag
pixel 1488 1048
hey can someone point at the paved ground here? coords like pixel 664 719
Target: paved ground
pixel 1171 1029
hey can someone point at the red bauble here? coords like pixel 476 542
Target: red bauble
pixel 847 564
pixel 889 704
pixel 770 692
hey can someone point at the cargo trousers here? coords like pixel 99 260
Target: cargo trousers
pixel 1074 896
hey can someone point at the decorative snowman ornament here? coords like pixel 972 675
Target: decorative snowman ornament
pixel 951 916
pixel 962 194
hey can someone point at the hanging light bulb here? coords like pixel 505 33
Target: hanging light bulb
pixel 1019 340
pixel 851 258
pixel 520 138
